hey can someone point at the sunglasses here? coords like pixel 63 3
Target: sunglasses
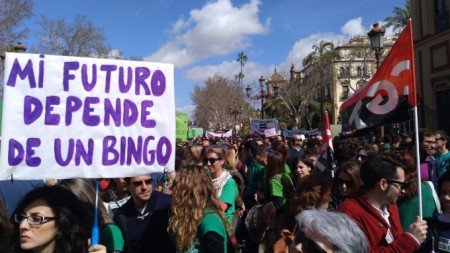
pixel 210 160
pixel 348 183
pixel 139 183
pixel 401 185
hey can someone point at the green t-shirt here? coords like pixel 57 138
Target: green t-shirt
pixel 408 210
pixel 210 222
pixel 442 162
pixel 276 188
pixel 111 237
pixel 229 195
pixel 287 170
pixel 255 177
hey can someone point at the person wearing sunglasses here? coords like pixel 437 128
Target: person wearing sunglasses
pixel 226 187
pixel 325 231
pixel 442 155
pixel 51 219
pixel 347 182
pixel 375 210
pixel 144 218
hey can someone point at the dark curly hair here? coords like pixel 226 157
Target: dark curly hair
pixel 71 221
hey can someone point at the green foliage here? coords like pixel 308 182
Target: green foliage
pixel 400 16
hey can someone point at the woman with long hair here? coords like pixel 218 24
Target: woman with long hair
pixel 226 187
pixel 313 192
pixel 347 182
pixel 197 223
pixel 51 219
pixel 409 201
pixel 110 233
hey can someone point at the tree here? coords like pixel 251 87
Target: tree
pixel 400 16
pixel 79 38
pixel 12 13
pixel 242 58
pixel 322 53
pixel 213 100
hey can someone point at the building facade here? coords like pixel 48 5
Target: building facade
pixel 332 82
pixel 431 23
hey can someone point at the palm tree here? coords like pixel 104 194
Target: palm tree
pixel 400 16
pixel 322 53
pixel 242 58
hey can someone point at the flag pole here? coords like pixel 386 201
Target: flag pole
pixel 416 121
pixel 419 176
pixel 95 229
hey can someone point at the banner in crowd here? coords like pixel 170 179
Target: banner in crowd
pixel 259 125
pixel 326 161
pixel 307 133
pixel 66 117
pixel 386 98
pixel 182 126
pixel 227 134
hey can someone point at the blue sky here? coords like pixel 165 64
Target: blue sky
pixel 203 38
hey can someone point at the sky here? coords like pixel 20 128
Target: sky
pixel 203 38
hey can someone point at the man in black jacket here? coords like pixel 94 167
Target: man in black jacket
pixel 144 218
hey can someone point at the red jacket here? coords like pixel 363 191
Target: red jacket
pixel 375 227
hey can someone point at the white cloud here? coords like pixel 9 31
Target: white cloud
pixel 188 109
pixel 228 69
pixel 218 28
pixel 303 47
pixel 354 27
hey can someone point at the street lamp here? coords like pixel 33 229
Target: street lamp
pixel 264 93
pixel 376 36
pixel 235 110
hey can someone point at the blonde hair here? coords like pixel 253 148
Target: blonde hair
pixel 230 157
pixel 193 191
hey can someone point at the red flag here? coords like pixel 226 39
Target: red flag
pixel 326 155
pixel 386 98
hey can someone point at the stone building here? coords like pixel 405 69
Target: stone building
pixel 334 81
pixel 431 23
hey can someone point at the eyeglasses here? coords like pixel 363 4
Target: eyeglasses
pixel 139 183
pixel 348 183
pixel 400 185
pixel 210 160
pixel 33 220
pixel 311 246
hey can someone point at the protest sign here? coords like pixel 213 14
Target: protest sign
pixel 259 125
pixel 182 120
pixel 66 117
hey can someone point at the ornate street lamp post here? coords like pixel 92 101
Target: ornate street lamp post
pixel 264 93
pixel 376 36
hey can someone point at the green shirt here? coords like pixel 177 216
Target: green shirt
pixel 229 195
pixel 210 222
pixel 111 237
pixel 409 210
pixel 442 162
pixel 255 177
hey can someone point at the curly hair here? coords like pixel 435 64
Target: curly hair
pixel 193 191
pixel 72 218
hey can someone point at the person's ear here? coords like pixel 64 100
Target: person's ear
pixel 383 184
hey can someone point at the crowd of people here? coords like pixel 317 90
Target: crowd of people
pixel 248 194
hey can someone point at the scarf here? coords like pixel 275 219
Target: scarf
pixel 220 182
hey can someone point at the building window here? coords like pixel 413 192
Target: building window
pixel 345 92
pixel 441 17
pixel 342 72
pixel 359 71
pixel 347 71
pixel 364 71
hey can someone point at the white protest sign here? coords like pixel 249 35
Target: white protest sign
pixel 259 125
pixel 66 117
pixel 269 132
